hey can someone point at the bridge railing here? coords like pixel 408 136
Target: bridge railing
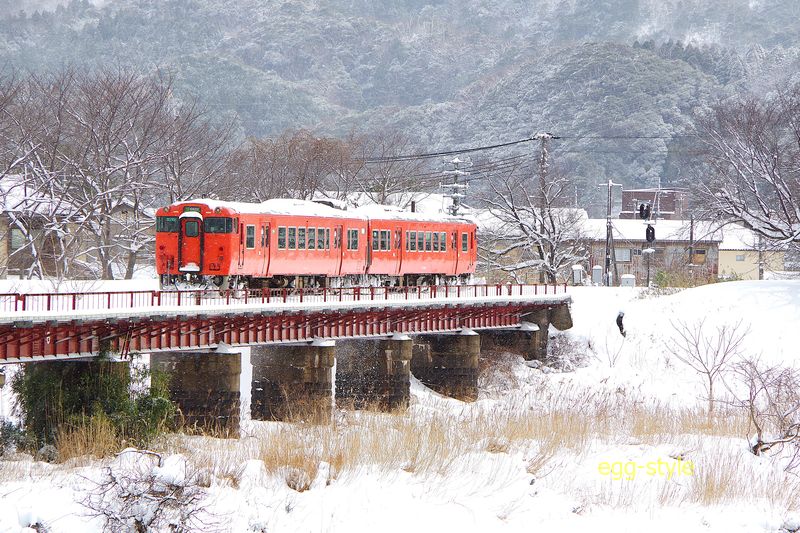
pixel 121 300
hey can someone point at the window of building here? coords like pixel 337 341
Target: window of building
pixel 292 238
pixel 740 257
pixel 167 224
pixel 699 257
pixel 622 255
pixel 18 239
pixel 464 242
pixel 352 239
pixel 250 237
pixel 301 238
pixel 281 238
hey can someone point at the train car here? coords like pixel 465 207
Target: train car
pixel 281 242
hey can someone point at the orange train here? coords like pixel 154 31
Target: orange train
pixel 295 243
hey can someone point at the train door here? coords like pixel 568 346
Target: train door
pixel 454 246
pixel 397 254
pixel 473 247
pixel 264 248
pixel 240 231
pixel 338 249
pixel 190 256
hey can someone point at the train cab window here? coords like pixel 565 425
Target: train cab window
pixel 292 238
pixel 320 239
pixel 301 238
pixel 464 242
pixel 281 238
pixel 312 238
pixel 250 240
pixel 412 241
pixel 352 239
pixel 427 241
pixel 435 241
pixel 375 240
pixel 327 239
pixel 192 228
pixel 167 224
pixel 443 241
pixel 218 225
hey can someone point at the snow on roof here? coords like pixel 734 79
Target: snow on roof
pixel 739 238
pixel 666 230
pixel 290 206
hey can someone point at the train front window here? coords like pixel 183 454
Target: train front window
pixel 191 228
pixel 167 224
pixel 218 225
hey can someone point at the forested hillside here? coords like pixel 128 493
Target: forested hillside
pixel 443 72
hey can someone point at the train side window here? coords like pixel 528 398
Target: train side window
pixel 420 241
pixel 435 241
pixel 312 238
pixel 292 238
pixel 250 240
pixel 464 242
pixel 397 236
pixel 427 241
pixel 320 239
pixel 375 240
pixel 384 240
pixel 301 238
pixel 443 241
pixel 412 241
pixel 352 239
pixel 327 238
pixel 281 238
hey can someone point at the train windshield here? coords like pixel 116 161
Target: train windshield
pixel 167 224
pixel 218 225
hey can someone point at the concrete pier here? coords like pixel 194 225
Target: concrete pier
pixel 448 363
pixel 374 373
pixel 525 340
pixel 292 381
pixel 205 387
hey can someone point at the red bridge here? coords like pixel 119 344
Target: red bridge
pixel 63 325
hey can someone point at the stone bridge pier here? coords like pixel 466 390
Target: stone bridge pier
pixel 374 373
pixel 448 363
pixel 204 385
pixel 530 339
pixel 292 381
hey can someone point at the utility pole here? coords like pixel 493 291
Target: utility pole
pixel 542 200
pixel 456 190
pixel 611 258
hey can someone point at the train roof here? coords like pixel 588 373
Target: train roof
pixel 289 206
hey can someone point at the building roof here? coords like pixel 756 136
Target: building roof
pixel 739 238
pixel 666 230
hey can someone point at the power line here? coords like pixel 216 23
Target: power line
pixel 448 152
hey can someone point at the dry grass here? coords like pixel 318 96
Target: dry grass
pixel 91 437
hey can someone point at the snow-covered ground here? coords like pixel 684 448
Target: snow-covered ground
pixel 617 444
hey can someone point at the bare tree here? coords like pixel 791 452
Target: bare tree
pixel 752 147
pixel 530 227
pixel 772 401
pixel 708 354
